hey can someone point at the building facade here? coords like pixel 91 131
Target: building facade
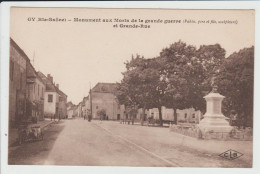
pixel 35 94
pixel 103 99
pixel 183 116
pixel 71 110
pixel 62 103
pixel 26 88
pixel 79 110
pixel 55 103
pixel 17 85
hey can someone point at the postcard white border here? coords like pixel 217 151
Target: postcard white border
pixel 22 169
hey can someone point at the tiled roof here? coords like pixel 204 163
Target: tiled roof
pixel 60 92
pixel 105 87
pixel 50 87
pixel 31 73
pixel 42 76
pixel 12 42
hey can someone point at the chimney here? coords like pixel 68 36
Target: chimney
pixel 50 78
pixel 57 85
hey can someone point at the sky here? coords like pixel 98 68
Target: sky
pixel 80 54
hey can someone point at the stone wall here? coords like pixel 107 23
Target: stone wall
pixel 194 131
pixel 17 87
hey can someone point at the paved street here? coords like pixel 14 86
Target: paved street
pixel 108 143
pixel 86 143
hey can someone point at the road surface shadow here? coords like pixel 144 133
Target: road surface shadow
pixel 35 152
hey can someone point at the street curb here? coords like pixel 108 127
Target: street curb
pixel 47 124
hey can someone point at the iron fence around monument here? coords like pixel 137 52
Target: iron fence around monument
pixel 242 135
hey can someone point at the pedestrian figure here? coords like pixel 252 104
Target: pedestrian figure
pixel 200 135
pixel 89 118
pixel 142 119
pixel 101 118
pixel 242 122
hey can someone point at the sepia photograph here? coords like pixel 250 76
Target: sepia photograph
pixel 131 87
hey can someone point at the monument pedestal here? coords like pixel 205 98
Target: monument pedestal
pixel 214 120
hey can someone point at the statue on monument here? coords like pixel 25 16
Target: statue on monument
pixel 214 120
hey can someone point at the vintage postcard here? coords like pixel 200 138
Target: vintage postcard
pixel 131 87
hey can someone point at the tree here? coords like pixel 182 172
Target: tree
pixel 141 85
pixel 177 79
pixel 176 59
pixel 210 57
pixel 189 72
pixel 129 91
pixel 154 84
pixel 235 81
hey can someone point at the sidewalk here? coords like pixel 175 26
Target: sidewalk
pixel 168 139
pixel 13 133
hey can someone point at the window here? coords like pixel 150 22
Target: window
pixel 193 115
pixel 185 115
pixel 50 98
pixel 11 70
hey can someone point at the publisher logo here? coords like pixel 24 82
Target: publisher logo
pixel 231 154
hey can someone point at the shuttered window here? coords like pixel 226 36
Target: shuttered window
pixel 50 98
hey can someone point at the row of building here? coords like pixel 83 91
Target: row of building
pixel 32 95
pixel 102 99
